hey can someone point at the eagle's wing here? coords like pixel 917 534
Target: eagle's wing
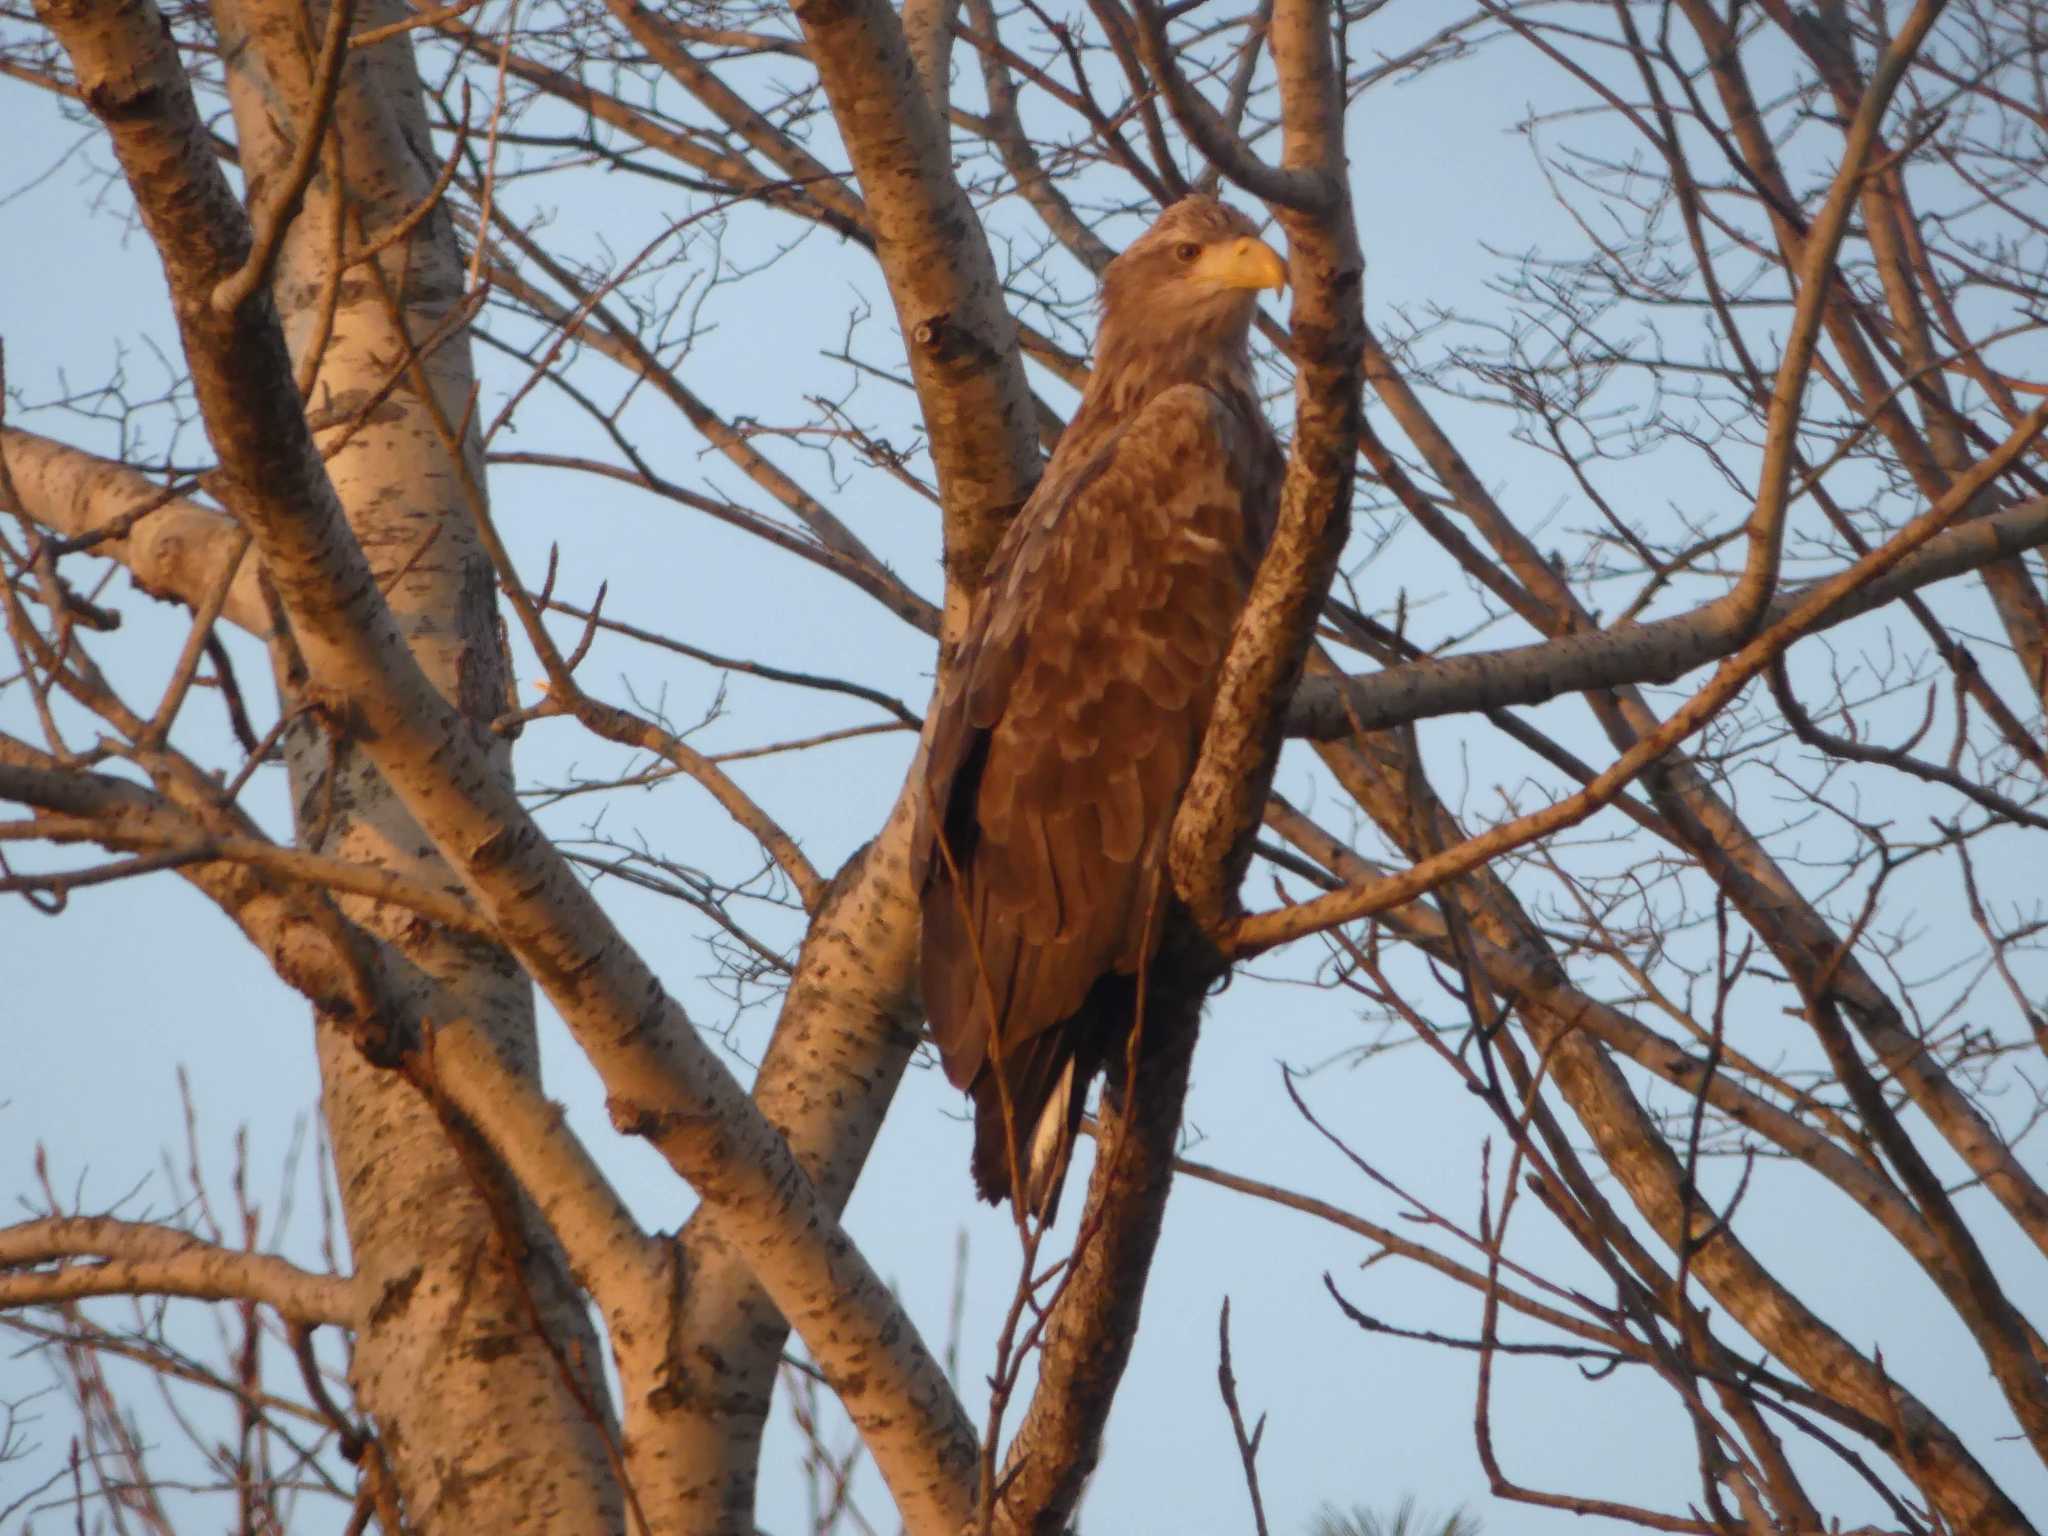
pixel 1077 705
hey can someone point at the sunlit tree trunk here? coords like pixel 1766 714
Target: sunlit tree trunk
pixel 471 1292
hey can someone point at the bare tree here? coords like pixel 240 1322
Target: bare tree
pixel 1762 423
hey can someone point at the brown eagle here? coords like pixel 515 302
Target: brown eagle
pixel 1072 714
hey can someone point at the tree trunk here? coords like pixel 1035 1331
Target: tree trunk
pixel 472 1294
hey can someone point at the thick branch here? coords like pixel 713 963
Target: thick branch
pixel 139 826
pixel 1089 1335
pixel 1227 794
pixel 928 32
pixel 69 1258
pixel 839 1049
pixel 308 944
pixel 1326 709
pixel 173 547
pixel 949 303
pixel 1301 185
pixel 624 1270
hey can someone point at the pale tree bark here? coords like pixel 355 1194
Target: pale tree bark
pixel 958 333
pixel 163 1261
pixel 173 548
pixel 472 1292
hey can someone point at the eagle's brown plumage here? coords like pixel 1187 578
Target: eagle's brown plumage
pixel 1074 709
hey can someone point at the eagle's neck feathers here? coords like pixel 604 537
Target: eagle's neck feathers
pixel 1135 364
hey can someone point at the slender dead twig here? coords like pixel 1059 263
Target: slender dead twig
pixel 1247 1444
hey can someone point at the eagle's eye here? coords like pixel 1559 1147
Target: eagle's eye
pixel 1187 250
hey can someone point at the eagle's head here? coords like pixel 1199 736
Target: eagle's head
pixel 1179 301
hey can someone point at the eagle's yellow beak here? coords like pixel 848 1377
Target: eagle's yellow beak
pixel 1242 263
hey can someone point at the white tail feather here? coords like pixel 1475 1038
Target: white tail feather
pixel 1049 1145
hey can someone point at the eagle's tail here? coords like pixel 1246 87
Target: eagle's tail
pixel 1045 1145
pixel 1047 1148
pixel 1048 1086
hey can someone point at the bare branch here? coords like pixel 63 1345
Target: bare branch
pixel 1660 651
pixel 69 1258
pixel 174 548
pixel 277 214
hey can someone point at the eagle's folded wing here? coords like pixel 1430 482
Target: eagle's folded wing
pixel 1075 710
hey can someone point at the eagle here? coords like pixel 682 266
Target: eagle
pixel 1067 725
